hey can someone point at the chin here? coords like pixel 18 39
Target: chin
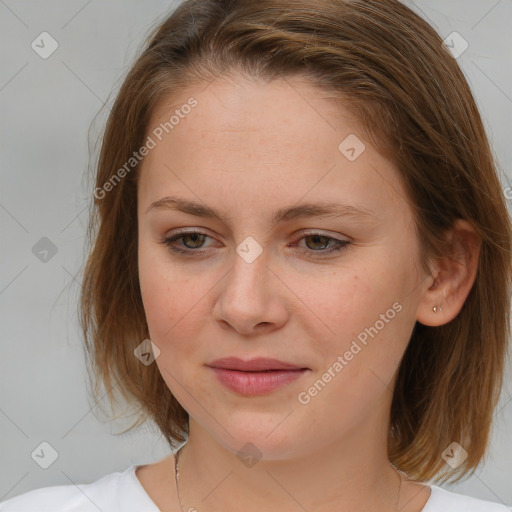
pixel 267 438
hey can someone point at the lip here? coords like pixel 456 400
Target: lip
pixel 256 376
pixel 253 365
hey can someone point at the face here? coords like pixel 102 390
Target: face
pixel 252 272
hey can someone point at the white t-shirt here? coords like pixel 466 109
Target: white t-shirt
pixel 123 492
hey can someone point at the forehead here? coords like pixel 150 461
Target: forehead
pixel 235 114
pixel 281 138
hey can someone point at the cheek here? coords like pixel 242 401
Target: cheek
pixel 351 299
pixel 175 305
pixel 155 291
pixel 164 294
pixel 367 319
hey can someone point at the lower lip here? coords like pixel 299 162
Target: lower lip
pixel 256 383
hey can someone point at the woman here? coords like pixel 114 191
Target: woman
pixel 301 264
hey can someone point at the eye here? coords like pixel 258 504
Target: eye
pixel 321 241
pixel 192 242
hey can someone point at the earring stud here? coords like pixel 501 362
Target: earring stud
pixel 434 309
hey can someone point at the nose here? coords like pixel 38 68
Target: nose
pixel 252 299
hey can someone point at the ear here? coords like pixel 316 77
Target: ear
pixel 452 277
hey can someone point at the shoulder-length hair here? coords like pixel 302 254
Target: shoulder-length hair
pixel 392 71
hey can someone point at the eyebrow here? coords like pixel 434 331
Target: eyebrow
pixel 318 209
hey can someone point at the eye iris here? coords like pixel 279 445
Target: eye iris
pixel 316 238
pixel 198 238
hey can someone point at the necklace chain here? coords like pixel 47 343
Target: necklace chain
pixel 177 467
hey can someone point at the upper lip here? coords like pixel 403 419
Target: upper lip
pixel 256 364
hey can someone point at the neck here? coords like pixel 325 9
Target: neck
pixel 342 476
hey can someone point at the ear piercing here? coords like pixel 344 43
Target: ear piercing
pixel 434 309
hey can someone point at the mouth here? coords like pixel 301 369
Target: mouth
pixel 259 364
pixel 256 376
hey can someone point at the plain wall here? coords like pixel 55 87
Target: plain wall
pixel 47 107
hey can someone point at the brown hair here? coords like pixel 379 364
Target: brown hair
pixel 415 106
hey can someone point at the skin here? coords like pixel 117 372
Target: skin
pixel 248 149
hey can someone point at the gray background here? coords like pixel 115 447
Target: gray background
pixel 47 111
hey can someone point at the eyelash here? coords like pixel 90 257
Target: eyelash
pixel 340 244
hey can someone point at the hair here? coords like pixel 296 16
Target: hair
pixel 390 69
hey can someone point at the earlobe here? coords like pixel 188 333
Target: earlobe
pixel 454 277
pixel 430 310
